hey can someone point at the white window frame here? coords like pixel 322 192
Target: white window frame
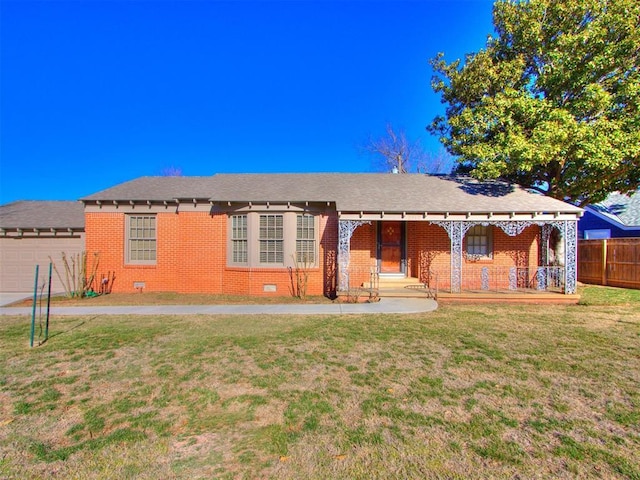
pixel 239 240
pixel 597 234
pixel 305 239
pixel 288 241
pixel 479 242
pixel 144 235
pixel 271 239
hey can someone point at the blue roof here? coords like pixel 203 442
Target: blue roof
pixel 624 209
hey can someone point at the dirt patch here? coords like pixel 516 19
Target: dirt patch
pixel 171 298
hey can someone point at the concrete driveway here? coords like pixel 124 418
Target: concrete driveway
pixel 7 298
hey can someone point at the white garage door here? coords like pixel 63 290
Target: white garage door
pixel 19 257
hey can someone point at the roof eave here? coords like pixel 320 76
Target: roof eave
pixel 460 216
pixel 611 219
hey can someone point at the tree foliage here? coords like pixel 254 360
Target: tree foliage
pixel 552 102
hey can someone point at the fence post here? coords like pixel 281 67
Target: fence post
pixel 33 310
pixel 46 330
pixel 604 262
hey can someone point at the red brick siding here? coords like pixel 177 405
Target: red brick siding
pixel 428 248
pixel 192 257
pixel 362 256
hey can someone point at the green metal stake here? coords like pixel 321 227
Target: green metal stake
pixel 46 330
pixel 35 299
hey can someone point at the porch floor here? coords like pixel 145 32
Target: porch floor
pixel 520 296
pixel 411 288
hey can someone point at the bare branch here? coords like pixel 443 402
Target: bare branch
pixel 171 172
pixel 395 152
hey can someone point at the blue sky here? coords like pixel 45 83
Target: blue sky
pixel 94 93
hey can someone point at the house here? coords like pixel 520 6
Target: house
pixel 30 233
pixel 249 233
pixel 615 217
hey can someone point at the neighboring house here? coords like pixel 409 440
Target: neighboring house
pixel 617 216
pixel 30 233
pixel 247 233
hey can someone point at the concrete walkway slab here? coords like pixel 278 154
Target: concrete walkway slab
pixel 7 298
pixel 385 305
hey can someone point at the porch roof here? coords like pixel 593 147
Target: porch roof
pixel 352 193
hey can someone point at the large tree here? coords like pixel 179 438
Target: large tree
pixel 552 102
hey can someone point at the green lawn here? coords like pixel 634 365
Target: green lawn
pixel 464 392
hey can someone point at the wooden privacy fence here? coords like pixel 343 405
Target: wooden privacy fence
pixel 614 262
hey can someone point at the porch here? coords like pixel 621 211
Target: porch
pixel 431 258
pixel 481 284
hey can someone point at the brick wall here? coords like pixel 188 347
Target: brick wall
pixel 429 254
pixel 363 254
pixel 429 250
pixel 192 255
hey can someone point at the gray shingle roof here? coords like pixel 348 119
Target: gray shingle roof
pixel 158 189
pixel 42 215
pixel 624 209
pixel 351 192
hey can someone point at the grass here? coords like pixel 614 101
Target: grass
pixel 168 298
pixel 463 392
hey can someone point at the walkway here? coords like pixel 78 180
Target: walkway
pixel 385 305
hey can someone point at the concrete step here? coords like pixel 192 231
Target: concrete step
pixel 407 287
pixel 405 292
pixel 395 283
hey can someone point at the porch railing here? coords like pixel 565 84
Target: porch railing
pixel 474 278
pixel 500 279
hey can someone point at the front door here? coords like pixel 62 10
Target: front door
pixel 391 247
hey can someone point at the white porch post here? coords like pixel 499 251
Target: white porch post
pixel 569 232
pixel 570 235
pixel 345 231
pixel 456 231
pixel 544 247
pixel 456 234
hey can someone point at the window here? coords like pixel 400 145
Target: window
pixel 597 234
pixel 479 242
pixel 239 250
pixel 141 241
pixel 276 239
pixel 305 239
pixel 271 239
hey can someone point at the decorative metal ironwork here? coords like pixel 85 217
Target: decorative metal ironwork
pixel 571 256
pixel 504 279
pixel 513 278
pixel 456 231
pixel 512 228
pixel 345 231
pixel 567 228
pixel 485 278
pixel 569 232
pixel 541 276
pixel 545 229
